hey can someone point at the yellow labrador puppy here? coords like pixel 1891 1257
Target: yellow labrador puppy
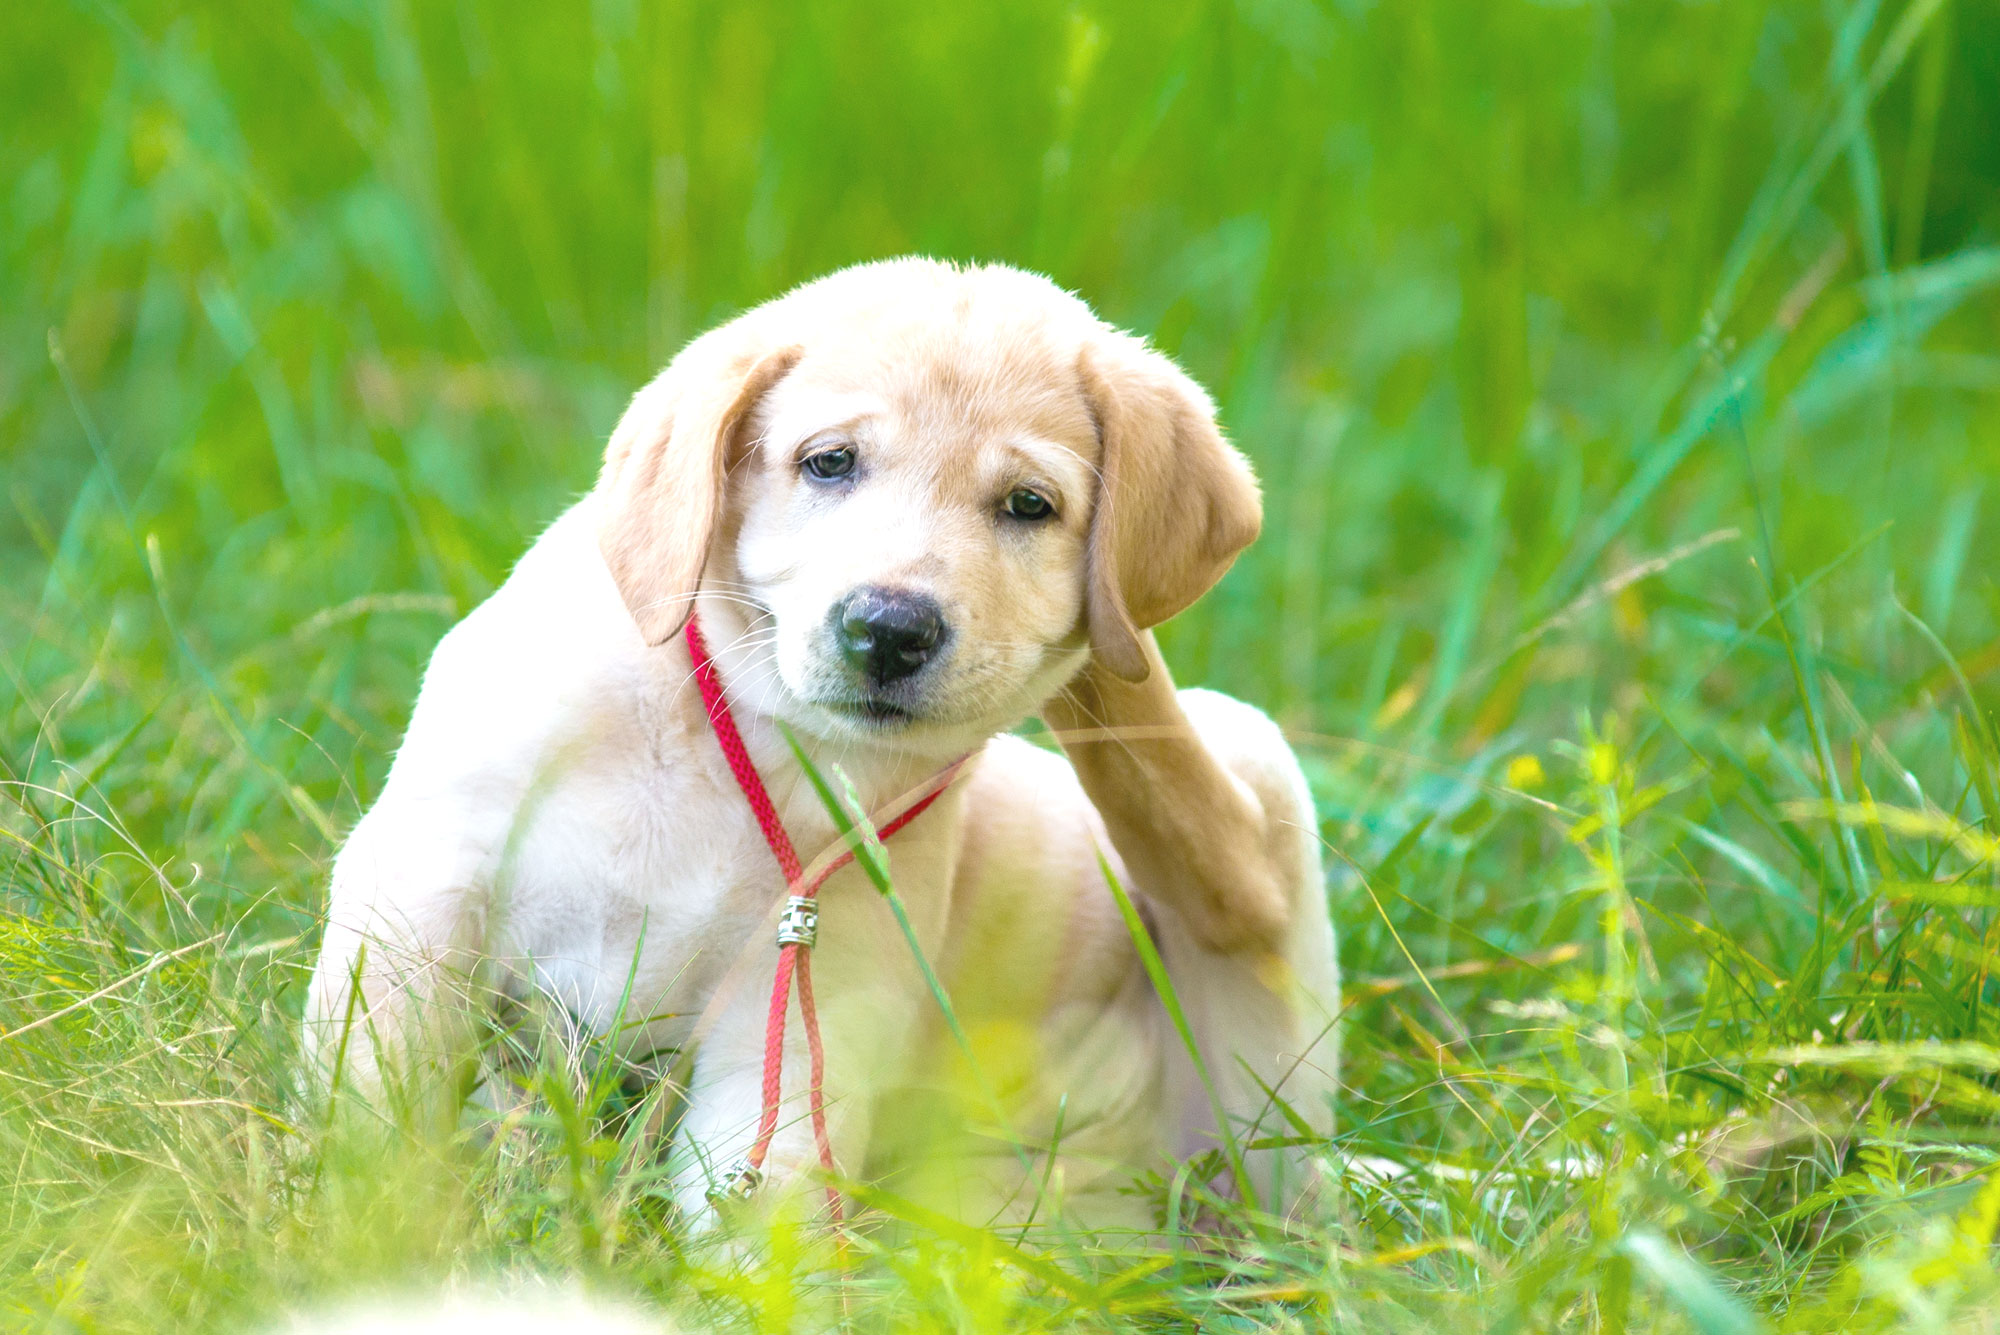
pixel 911 504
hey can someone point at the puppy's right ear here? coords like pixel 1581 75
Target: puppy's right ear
pixel 661 490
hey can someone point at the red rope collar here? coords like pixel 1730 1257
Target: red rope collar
pixel 796 931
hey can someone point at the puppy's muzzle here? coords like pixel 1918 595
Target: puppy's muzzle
pixel 886 635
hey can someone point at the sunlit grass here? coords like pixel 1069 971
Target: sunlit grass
pixel 1623 379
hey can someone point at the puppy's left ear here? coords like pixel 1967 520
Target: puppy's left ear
pixel 1175 503
pixel 661 491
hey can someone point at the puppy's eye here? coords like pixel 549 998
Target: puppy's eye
pixel 829 465
pixel 1025 504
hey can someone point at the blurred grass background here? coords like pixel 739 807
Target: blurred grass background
pixel 1625 379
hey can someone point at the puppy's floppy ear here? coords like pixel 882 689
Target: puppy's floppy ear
pixel 1176 502
pixel 661 490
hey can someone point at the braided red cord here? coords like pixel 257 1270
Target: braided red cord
pixel 792 959
pixel 738 756
pixel 809 1017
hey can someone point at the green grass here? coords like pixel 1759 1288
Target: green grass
pixel 1626 383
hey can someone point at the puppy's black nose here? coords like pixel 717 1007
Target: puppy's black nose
pixel 887 634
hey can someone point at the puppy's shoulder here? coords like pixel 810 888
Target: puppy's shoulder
pixel 556 609
pixel 550 647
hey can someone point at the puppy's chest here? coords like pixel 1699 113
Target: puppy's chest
pixel 633 883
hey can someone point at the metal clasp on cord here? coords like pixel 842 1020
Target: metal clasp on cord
pixel 740 1183
pixel 798 925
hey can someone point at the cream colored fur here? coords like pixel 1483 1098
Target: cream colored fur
pixel 473 1309
pixel 559 820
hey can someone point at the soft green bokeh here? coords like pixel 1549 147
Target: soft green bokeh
pixel 1625 380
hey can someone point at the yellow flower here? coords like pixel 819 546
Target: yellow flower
pixel 1525 772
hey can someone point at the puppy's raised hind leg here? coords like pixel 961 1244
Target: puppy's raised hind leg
pixel 1209 811
pixel 1194 832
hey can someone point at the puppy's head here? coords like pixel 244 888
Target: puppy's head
pixel 914 498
